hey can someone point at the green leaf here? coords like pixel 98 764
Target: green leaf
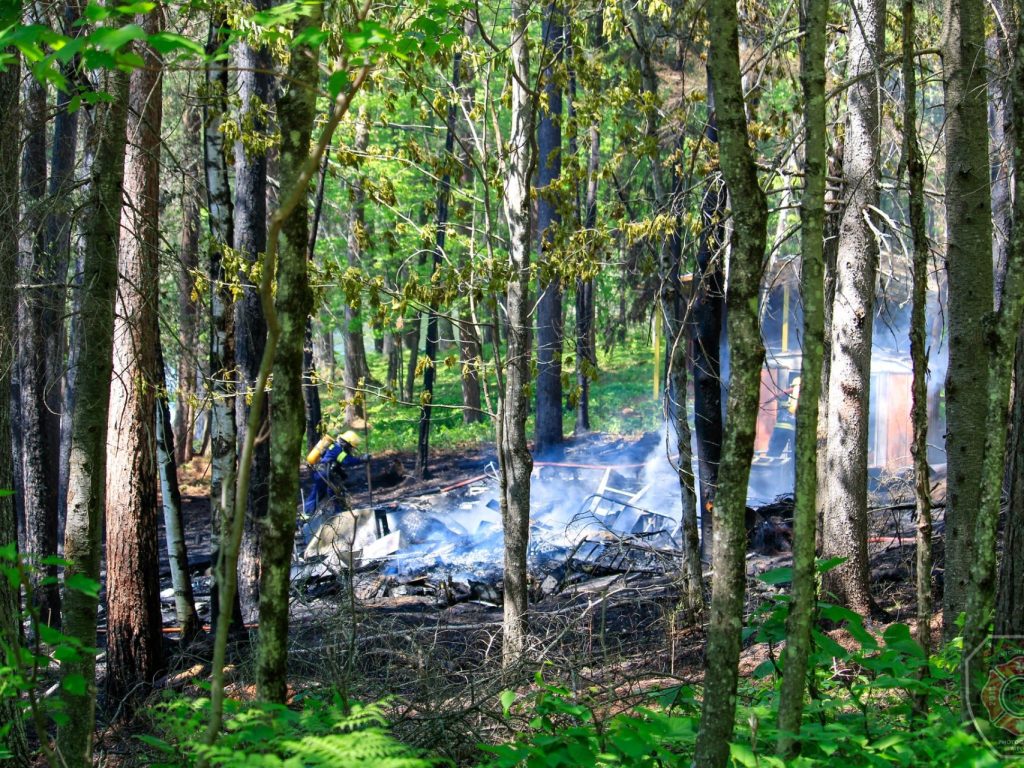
pixel 507 699
pixel 337 82
pixel 743 755
pixel 824 566
pixel 82 584
pixel 5 492
pixel 74 684
pixel 776 576
pixel 168 42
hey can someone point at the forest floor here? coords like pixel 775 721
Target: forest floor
pixel 431 643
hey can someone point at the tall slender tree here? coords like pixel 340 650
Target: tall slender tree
pixel 83 531
pixel 845 521
pixel 222 428
pixel 514 459
pixel 292 304
pixel 10 594
pixel 1001 337
pixel 746 355
pixel 134 623
pixel 705 330
pixel 250 231
pixel 444 193
pixel 549 218
pixel 918 352
pixel 969 270
pixel 813 15
pixel 39 479
pixel 356 368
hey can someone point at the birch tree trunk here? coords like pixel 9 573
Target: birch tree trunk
pixel 134 623
pixel 514 459
pixel 174 520
pixel 845 522
pixel 969 269
pixel 221 428
pixel 746 355
pixel 813 15
pixel 83 530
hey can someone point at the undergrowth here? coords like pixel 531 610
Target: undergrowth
pixel 621 402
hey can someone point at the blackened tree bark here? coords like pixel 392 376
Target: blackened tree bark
pixel 10 597
pixel 39 478
pixel 411 340
pixel 83 530
pixel 969 269
pixel 250 230
pixel 185 414
pixel 134 623
pixel 675 306
pixel 310 390
pixel 549 219
pixel 845 523
pixel 174 520
pixel 706 339
pixel 813 15
pixel 918 332
pixel 746 355
pixel 514 459
pixel 221 429
pixel 292 304
pixel 444 193
pixel 356 368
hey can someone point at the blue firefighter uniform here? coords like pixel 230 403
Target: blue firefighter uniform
pixel 329 460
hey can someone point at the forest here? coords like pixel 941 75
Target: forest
pixel 485 383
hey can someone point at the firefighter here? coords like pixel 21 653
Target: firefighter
pixel 784 434
pixel 329 459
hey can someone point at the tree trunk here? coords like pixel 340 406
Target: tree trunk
pixel 549 220
pixel 674 306
pixel 1010 608
pixel 10 596
pixel 586 353
pixel 706 338
pixel 188 310
pixel 411 340
pixel 1000 338
pixel 813 15
pixel 746 356
pixel 174 520
pixel 134 623
pixel 356 368
pixel 514 460
pixel 250 230
pixel 969 270
pixel 293 303
pixel 87 472
pixel 845 524
pixel 40 479
pixel 440 233
pixel 59 258
pixel 310 382
pixel 918 333
pixel 221 429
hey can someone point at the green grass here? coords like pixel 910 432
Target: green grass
pixel 621 402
